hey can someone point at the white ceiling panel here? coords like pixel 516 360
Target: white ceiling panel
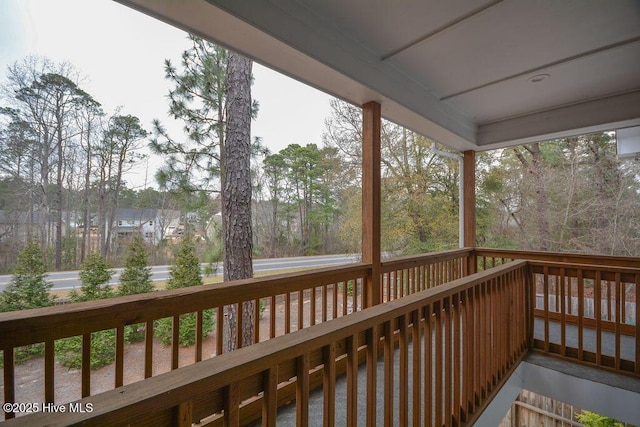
pixel 452 70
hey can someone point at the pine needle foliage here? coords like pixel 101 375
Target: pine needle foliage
pixel 185 272
pixel 136 277
pixel 28 287
pixel 186 269
pixel 95 274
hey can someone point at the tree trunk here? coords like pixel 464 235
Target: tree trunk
pixel 59 187
pixel 236 194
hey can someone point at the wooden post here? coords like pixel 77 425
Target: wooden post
pixel 371 125
pixel 469 240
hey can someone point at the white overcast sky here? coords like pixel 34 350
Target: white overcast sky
pixel 121 52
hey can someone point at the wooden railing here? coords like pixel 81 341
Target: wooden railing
pixel 444 377
pixel 557 287
pixel 282 304
pixel 487 258
pixel 588 314
pixel 585 305
pixel 411 274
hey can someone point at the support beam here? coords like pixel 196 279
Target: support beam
pixel 371 125
pixel 469 197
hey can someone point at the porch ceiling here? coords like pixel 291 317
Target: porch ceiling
pixel 461 72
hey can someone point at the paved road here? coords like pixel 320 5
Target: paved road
pixel 69 279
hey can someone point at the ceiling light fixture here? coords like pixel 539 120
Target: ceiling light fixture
pixel 538 78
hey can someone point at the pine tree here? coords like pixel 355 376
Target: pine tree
pixel 28 287
pixel 95 276
pixel 185 272
pixel 136 277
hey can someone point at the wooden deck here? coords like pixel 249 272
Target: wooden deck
pixel 461 318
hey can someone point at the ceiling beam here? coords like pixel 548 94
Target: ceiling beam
pixel 442 29
pixel 577 119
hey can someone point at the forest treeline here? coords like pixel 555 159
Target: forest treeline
pixel 64 163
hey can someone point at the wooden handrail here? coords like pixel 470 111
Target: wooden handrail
pixel 605 260
pixel 225 381
pixel 423 259
pixel 26 327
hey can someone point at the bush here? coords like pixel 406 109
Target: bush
pixel 136 277
pixel 95 276
pixel 185 272
pixel 28 287
pixel 164 328
pixel 103 350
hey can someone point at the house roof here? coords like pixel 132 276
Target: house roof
pixel 136 214
pixel 471 74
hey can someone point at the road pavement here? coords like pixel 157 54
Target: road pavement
pixel 69 279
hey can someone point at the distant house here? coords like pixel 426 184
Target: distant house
pixel 154 224
pixel 20 226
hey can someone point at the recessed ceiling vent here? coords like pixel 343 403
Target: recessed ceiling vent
pixel 628 143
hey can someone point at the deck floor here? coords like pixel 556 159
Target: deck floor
pixel 287 414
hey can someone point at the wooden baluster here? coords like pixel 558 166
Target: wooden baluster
pixel 272 317
pixel 334 295
pixel 637 328
pixel 9 379
pixel 324 303
pixel 312 308
pixel 580 315
pixel 175 343
pixel 563 315
pixel 448 357
pixel 428 365
pixel 184 414
pixel 219 329
pixel 609 316
pixel 287 313
pixel 352 381
pixel 119 368
pixel 86 366
pixel 256 321
pixel 618 318
pixel 597 305
pixel 329 384
pixel 456 359
pixel 388 374
pixel 300 310
pixel 198 337
pixel 270 397
pixel 546 307
pixel 231 399
pixel 49 372
pixel 403 380
pixel 372 370
pixel 148 349
pixel 239 324
pixel 439 366
pixel 416 341
pixel 302 390
pixel 345 292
